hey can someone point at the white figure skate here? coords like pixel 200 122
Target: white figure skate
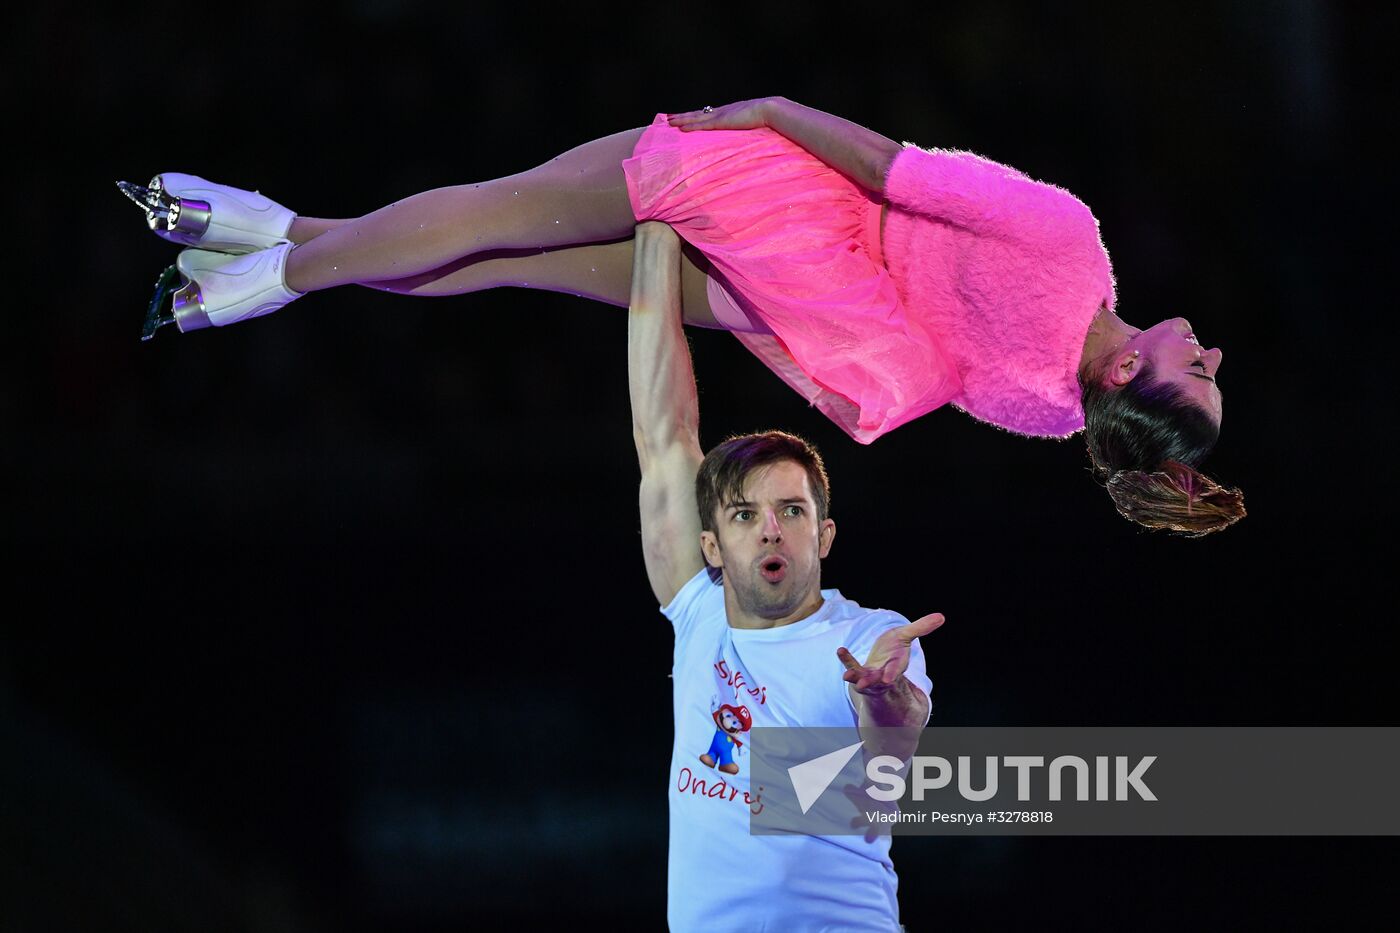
pixel 188 210
pixel 219 289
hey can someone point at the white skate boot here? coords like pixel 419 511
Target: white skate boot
pixel 220 289
pixel 188 210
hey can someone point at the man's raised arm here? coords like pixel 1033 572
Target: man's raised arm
pixel 665 412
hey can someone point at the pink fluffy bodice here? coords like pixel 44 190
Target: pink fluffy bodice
pixel 1006 273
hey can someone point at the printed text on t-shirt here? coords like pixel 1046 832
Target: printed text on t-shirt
pixel 735 678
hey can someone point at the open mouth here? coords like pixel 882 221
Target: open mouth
pixel 773 569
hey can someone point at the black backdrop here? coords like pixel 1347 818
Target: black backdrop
pixel 315 621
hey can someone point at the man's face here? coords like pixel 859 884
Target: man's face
pixel 770 543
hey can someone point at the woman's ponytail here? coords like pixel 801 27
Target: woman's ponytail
pixel 1177 498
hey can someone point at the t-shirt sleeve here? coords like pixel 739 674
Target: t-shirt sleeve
pixel 699 598
pixel 989 198
pixel 869 630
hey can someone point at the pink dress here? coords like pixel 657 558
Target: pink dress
pixel 980 295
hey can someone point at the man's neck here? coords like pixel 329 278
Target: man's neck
pixel 738 618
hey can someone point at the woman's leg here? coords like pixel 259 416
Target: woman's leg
pixel 308 228
pixel 578 197
pixel 600 271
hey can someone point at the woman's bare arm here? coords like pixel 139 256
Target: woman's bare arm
pixel 862 155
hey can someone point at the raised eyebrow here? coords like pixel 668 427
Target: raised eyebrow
pixel 792 500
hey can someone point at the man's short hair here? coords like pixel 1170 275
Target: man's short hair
pixel 725 468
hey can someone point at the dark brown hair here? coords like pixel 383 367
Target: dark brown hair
pixel 726 467
pixel 1145 441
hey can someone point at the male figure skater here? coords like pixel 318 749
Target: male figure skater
pixel 733 543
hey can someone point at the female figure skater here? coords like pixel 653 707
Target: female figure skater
pixel 880 281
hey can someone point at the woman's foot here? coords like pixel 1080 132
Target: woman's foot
pixel 189 210
pixel 220 289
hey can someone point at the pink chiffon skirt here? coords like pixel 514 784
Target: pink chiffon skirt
pixel 795 249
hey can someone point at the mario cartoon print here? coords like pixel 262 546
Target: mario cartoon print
pixel 730 721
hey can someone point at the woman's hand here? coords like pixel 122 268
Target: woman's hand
pixel 745 115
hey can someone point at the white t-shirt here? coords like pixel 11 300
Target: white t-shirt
pixel 719 876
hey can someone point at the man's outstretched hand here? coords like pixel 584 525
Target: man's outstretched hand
pixel 889 658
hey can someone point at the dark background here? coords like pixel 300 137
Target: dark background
pixel 314 620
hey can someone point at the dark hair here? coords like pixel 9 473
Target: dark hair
pixel 726 467
pixel 1145 440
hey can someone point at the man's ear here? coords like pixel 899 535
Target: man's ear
pixel 709 546
pixel 825 536
pixel 1125 367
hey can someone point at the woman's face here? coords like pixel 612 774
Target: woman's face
pixel 1177 357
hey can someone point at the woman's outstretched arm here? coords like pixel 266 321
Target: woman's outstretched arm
pixel 862 154
pixel 850 148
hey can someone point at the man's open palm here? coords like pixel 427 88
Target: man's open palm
pixel 889 658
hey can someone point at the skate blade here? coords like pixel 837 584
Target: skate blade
pixel 162 210
pixel 159 313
